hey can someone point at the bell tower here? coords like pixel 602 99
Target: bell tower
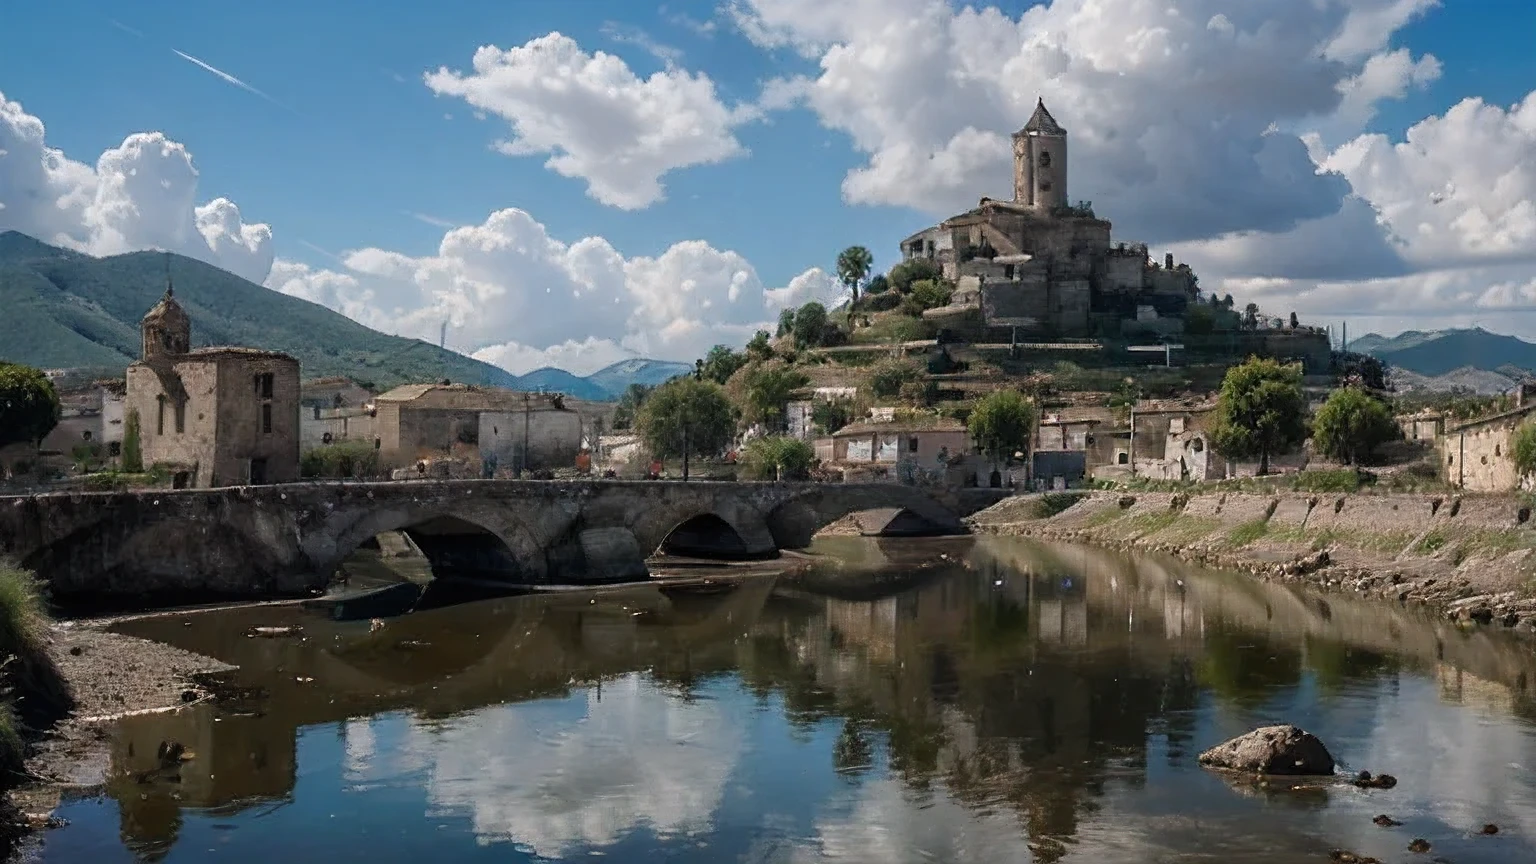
pixel 166 329
pixel 1040 162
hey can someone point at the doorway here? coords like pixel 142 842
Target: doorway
pixel 258 472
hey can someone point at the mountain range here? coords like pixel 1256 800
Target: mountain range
pixel 68 310
pixel 1471 359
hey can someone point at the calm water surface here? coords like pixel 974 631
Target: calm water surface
pixel 1016 703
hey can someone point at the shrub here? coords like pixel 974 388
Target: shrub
pixel 888 378
pixel 344 460
pixel 777 458
pixel 1523 447
pixel 36 693
pixel 926 294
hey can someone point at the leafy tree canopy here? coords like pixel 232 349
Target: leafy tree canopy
pixel 1351 425
pixel 913 270
pixel 687 412
pixel 630 402
pixel 758 348
pixel 853 266
pixel 1523 448
pixel 1261 412
pixel 721 363
pixel 764 390
pixel 810 325
pixel 29 406
pixel 1002 423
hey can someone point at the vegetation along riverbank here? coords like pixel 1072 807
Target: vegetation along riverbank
pixel 1472 557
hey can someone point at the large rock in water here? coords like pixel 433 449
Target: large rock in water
pixel 1272 750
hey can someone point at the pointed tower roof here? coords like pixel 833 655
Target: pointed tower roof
pixel 167 311
pixel 1042 123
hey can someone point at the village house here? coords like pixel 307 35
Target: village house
pixel 212 416
pixel 904 450
pixel 1478 455
pixel 333 410
pixel 89 432
pixel 485 430
pixel 1426 426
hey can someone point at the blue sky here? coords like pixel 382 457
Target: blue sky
pixel 348 148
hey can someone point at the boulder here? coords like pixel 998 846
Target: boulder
pixel 1272 750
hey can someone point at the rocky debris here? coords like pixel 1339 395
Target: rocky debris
pixel 1418 844
pixel 1386 821
pixel 1365 780
pixel 1308 563
pixel 1344 857
pixel 1490 828
pixel 1281 749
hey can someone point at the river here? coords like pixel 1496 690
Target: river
pixel 961 700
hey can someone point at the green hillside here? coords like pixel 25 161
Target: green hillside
pixel 63 309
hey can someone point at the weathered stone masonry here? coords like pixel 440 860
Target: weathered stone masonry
pixel 263 541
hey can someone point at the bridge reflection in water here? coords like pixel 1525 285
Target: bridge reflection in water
pixel 1016 702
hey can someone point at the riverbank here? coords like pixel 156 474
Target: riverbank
pixel 1471 557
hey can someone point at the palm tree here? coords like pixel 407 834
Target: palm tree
pixel 853 265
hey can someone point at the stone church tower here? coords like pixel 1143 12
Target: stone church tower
pixel 167 329
pixel 1040 162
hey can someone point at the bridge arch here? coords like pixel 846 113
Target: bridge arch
pixel 795 522
pixel 722 528
pixel 517 547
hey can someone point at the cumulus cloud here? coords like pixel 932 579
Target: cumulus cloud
pixel 515 296
pixel 637 757
pixel 1173 107
pixel 595 118
pixel 141 194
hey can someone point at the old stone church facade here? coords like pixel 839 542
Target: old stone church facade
pixel 1046 266
pixel 212 416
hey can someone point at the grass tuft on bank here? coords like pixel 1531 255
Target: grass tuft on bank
pixel 33 694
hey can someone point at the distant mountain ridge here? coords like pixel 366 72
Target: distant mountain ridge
pixel 67 310
pixel 1471 359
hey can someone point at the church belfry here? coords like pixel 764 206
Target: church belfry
pixel 166 328
pixel 1040 162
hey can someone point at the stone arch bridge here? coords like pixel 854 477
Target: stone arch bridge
pixel 284 540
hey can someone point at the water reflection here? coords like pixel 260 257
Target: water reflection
pixel 1008 702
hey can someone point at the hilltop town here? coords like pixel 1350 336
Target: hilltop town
pixel 1120 354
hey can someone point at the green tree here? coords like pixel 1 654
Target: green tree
pixel 630 403
pixel 878 284
pixel 133 448
pixel 1002 424
pixel 810 325
pixel 913 270
pixel 721 363
pixel 853 266
pixel 786 323
pixel 777 457
pixel 758 348
pixel 1251 316
pixel 1261 411
pixel 830 415
pixel 1523 448
pixel 29 406
pixel 686 415
pixel 1199 320
pixel 1351 425
pixel 766 391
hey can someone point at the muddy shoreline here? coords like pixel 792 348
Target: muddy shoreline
pixel 1472 560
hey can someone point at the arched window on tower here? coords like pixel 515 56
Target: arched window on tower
pixel 1045 159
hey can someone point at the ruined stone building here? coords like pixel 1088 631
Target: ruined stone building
pixel 1046 266
pixel 212 416
pixel 485 429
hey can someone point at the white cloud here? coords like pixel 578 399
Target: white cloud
pixel 1172 106
pixel 595 118
pixel 515 296
pixel 141 194
pixel 636 758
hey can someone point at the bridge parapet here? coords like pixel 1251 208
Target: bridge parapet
pixel 286 540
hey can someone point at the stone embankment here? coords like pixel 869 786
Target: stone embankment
pixel 1474 557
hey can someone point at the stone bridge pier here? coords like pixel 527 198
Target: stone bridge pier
pixel 287 540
